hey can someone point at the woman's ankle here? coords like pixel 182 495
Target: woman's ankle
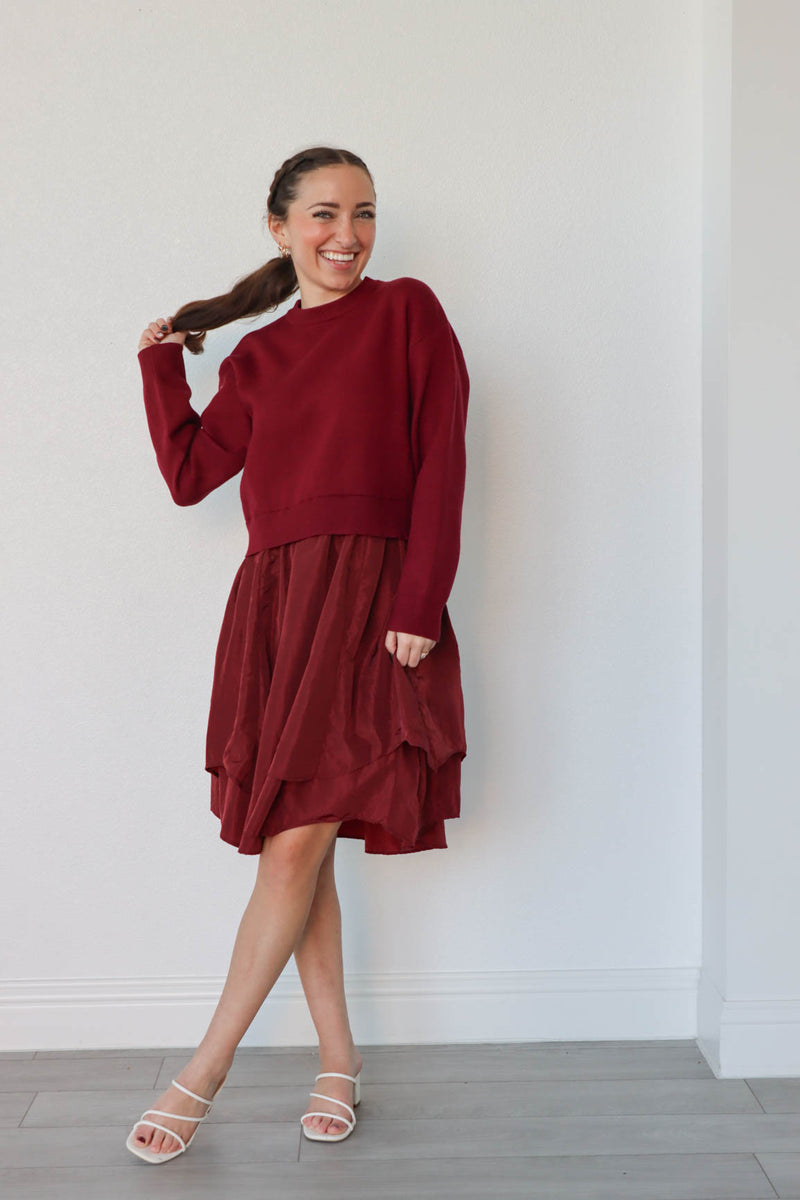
pixel 346 1057
pixel 211 1064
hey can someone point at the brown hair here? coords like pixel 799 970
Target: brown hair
pixel 265 288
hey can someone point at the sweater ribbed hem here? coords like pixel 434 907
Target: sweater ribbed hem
pixel 380 516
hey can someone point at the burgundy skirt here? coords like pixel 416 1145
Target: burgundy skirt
pixel 312 719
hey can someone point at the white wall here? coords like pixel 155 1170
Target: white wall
pixel 544 177
pixel 749 1013
pixel 717 30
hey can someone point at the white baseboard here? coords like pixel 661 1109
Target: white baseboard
pixel 744 1038
pixel 385 1009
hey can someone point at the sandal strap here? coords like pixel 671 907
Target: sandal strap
pixel 350 1124
pixel 178 1116
pixel 333 1100
pixel 171 1132
pixel 338 1075
pixel 194 1095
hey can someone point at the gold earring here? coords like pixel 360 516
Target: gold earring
pixel 285 252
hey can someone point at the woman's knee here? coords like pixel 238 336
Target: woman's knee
pixel 298 851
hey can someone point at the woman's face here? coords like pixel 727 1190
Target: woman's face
pixel 334 211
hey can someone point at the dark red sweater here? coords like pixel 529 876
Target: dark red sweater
pixel 347 417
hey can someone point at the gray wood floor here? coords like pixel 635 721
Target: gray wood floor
pixel 588 1120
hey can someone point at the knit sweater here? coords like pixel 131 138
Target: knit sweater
pixel 346 417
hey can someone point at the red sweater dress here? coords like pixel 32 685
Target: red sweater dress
pixel 347 421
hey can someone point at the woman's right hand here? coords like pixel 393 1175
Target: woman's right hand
pixel 160 331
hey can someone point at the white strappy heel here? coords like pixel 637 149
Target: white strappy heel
pixel 350 1121
pixel 150 1156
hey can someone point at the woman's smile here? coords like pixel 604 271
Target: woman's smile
pixel 341 262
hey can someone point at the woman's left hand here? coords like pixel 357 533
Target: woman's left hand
pixel 408 648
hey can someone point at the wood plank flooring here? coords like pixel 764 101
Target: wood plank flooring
pixel 561 1121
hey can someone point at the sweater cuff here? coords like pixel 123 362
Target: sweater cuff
pixel 416 615
pixel 160 345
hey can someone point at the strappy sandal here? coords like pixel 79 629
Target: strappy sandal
pixel 150 1156
pixel 350 1121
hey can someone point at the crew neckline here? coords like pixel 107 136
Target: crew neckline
pixel 332 308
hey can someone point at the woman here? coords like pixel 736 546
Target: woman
pixel 336 705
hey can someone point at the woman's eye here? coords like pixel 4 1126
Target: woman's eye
pixel 323 213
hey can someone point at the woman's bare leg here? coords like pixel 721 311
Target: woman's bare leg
pixel 318 954
pixel 272 922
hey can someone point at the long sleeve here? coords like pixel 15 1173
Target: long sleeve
pixel 195 454
pixel 439 386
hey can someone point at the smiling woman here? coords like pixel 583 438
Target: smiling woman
pixel 338 231
pixel 336 704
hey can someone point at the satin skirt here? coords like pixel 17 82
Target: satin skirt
pixel 312 719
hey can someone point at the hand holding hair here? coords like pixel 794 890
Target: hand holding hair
pixel 158 332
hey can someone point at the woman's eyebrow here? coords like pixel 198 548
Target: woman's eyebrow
pixel 334 204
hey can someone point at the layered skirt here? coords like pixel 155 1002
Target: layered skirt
pixel 312 719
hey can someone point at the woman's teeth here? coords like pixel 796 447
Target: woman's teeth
pixel 337 257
